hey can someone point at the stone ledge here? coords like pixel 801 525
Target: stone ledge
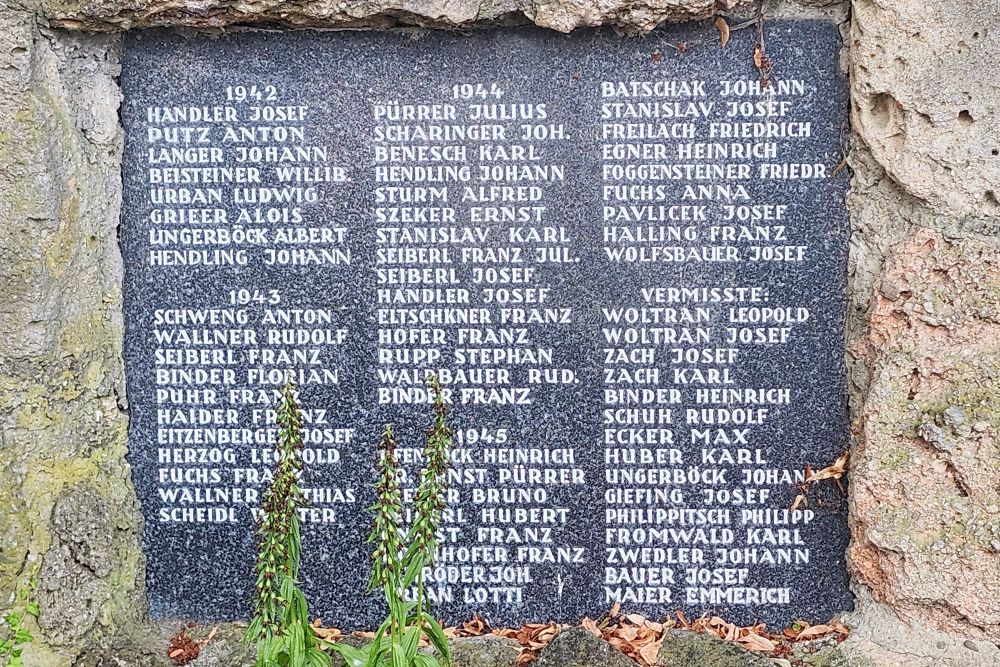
pixel 561 15
pixel 879 639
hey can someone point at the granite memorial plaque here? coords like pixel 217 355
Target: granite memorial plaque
pixel 625 259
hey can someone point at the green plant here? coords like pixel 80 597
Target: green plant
pixel 399 561
pixel 280 626
pixel 13 640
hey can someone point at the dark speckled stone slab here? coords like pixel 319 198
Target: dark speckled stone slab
pixel 260 234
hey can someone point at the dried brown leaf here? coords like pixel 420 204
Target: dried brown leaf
pixel 650 652
pixel 755 642
pixel 834 471
pixel 815 631
pixel 723 28
pixel 211 636
pixel 591 627
pixel 840 628
pixel 729 632
pixel 474 627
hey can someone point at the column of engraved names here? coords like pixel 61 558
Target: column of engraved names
pixel 234 189
pixel 689 487
pixel 465 239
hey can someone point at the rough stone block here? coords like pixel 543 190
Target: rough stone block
pixel 682 649
pixel 577 647
pixel 562 15
pixel 920 101
pixel 925 505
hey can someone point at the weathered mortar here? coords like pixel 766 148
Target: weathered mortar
pixel 923 209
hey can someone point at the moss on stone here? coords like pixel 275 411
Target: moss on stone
pixel 894 458
pixel 684 649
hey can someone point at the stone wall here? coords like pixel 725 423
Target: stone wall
pixel 70 518
pixel 924 348
pixel 923 330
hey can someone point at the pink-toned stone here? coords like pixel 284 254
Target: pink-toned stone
pixel 925 496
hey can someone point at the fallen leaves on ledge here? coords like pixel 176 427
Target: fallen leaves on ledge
pixel 638 637
pixel 182 648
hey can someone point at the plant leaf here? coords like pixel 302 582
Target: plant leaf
pixel 413 568
pixel 435 634
pixel 352 656
pixel 377 651
pixel 397 608
pixel 411 642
